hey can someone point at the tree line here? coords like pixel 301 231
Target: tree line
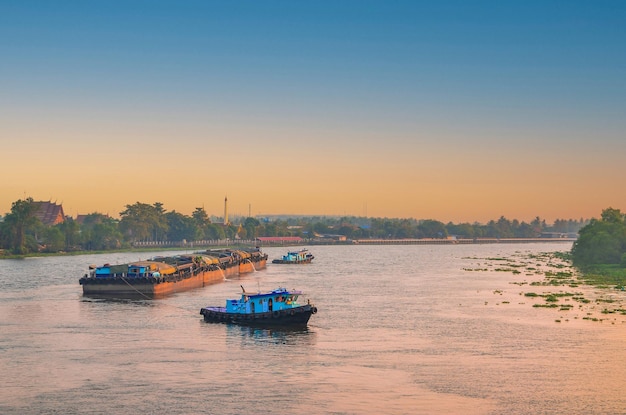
pixel 21 232
pixel 602 241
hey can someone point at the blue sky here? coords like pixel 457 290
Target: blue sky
pixel 357 84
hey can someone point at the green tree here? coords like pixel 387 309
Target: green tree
pixel 525 230
pixel 611 215
pixel 100 232
pixel 106 235
pixel 181 227
pixel 251 225
pixel 143 222
pixel 53 239
pixel 538 225
pixel 602 241
pixel 17 223
pixel 71 233
pixel 215 232
pixel 432 229
pixel 203 222
pixel 462 230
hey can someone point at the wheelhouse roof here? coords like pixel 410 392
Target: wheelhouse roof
pixel 273 293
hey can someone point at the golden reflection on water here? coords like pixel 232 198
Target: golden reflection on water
pixel 400 330
pixel 370 390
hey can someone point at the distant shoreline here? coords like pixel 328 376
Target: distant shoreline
pixel 408 241
pixel 455 241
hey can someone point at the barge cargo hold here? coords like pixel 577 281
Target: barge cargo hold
pixel 161 276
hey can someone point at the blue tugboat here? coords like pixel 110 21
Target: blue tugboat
pixel 302 256
pixel 275 308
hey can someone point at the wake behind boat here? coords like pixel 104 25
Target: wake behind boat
pixel 279 307
pixel 302 256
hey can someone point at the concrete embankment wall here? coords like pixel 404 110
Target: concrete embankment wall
pixel 457 241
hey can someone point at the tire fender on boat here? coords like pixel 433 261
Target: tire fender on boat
pixel 313 310
pixel 292 312
pixel 276 314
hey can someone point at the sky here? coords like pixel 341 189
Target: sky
pixel 455 111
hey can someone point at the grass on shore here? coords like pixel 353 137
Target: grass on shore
pixel 604 276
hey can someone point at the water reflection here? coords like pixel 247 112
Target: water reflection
pixel 403 330
pixel 275 335
pixel 140 301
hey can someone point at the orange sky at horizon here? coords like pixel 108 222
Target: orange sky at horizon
pixel 432 172
pixel 454 191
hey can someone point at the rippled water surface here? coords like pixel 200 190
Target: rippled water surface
pixel 400 330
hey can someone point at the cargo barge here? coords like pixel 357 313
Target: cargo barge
pixel 160 276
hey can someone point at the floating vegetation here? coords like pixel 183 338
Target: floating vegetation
pixel 562 274
pixel 549 270
pixel 514 265
pixel 551 298
pixel 514 271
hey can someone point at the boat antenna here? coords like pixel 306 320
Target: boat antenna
pixel 242 289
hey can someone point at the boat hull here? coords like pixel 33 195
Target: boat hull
pixel 283 261
pixel 125 287
pixel 294 317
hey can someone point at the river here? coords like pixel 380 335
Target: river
pixel 418 329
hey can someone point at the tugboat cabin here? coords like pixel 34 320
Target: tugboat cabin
pixel 296 255
pixel 277 300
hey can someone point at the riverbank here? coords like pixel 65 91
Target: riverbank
pixel 223 244
pixel 115 251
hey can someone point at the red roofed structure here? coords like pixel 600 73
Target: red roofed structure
pixel 279 239
pixel 49 213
